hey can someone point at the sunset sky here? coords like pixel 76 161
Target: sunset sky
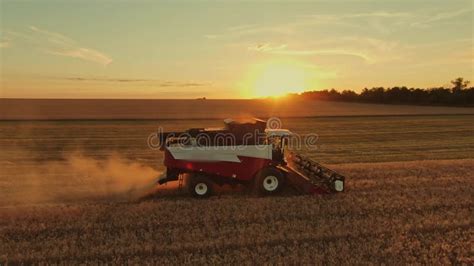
pixel 190 49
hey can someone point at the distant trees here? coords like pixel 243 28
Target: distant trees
pixel 459 84
pixel 458 95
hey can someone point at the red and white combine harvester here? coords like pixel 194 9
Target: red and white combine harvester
pixel 242 153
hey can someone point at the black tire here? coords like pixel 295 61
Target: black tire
pixel 268 181
pixel 200 186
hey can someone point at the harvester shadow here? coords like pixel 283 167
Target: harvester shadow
pixel 182 192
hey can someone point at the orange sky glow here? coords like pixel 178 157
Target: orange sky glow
pixel 141 49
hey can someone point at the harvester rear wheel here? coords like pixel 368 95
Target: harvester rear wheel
pixel 200 186
pixel 269 181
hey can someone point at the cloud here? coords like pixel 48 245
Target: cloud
pixel 414 18
pixel 370 50
pixel 428 20
pixel 56 44
pixel 323 18
pixel 182 84
pixel 53 36
pixel 152 82
pixel 282 50
pixel 106 79
pixel 308 21
pixel 336 52
pixel 380 21
pixel 84 54
pixel 4 44
pixel 252 29
pixel 5 41
pixel 266 47
pixel 380 14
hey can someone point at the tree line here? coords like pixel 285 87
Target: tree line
pixel 459 94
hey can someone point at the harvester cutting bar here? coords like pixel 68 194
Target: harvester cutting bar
pixel 311 177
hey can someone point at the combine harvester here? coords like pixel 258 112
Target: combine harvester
pixel 242 153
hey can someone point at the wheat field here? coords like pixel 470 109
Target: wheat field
pixel 62 109
pixel 66 197
pixel 415 212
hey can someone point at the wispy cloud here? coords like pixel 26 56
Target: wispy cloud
pixel 284 50
pixel 106 79
pixel 442 16
pixel 152 82
pixel 84 54
pixel 308 21
pixel 365 36
pixel 370 50
pixel 381 21
pixel 56 44
pixel 322 18
pixel 251 29
pixel 4 41
pixel 4 44
pixel 338 52
pixel 53 36
pixel 380 14
pixel 266 47
pixel 59 44
pixel 182 84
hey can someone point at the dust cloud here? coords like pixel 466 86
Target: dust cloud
pixel 113 175
pixel 78 178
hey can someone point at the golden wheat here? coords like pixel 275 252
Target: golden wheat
pixel 416 212
pixel 59 208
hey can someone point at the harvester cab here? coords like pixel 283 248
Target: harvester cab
pixel 249 154
pixel 279 139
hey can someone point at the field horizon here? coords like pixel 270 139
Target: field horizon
pixel 103 109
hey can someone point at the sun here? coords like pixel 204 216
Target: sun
pixel 276 78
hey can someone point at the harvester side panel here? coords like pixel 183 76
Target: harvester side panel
pixel 243 170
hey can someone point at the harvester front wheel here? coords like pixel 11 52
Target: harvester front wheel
pixel 200 186
pixel 269 181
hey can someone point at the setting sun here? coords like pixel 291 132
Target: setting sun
pixel 277 78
